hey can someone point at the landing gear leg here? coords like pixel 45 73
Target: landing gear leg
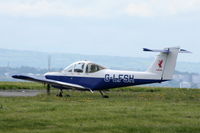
pixel 48 89
pixel 102 94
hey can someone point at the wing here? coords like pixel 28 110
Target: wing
pixel 51 82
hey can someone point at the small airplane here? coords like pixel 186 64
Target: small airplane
pixel 89 76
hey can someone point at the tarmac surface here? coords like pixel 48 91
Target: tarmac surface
pixel 20 93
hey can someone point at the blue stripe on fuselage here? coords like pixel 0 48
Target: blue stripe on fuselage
pixel 99 83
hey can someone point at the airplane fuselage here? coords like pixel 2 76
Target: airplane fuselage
pixel 105 79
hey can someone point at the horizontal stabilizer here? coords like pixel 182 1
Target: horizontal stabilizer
pixel 165 50
pixel 156 50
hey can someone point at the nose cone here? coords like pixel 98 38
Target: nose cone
pixel 50 74
pixel 46 74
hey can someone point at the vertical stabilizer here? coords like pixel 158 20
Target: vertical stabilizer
pixel 165 63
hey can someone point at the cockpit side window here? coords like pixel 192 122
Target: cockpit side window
pixel 91 68
pixel 79 67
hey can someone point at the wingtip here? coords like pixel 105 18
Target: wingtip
pixel 17 76
pixel 184 51
pixel 14 76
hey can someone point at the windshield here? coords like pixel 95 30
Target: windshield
pixel 69 68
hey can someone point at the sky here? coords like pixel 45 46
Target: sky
pixel 101 27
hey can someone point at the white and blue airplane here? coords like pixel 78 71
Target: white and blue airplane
pixel 89 76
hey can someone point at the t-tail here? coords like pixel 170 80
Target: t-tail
pixel 165 63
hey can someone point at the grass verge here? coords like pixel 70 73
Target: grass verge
pixel 131 110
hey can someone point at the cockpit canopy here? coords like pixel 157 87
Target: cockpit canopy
pixel 83 67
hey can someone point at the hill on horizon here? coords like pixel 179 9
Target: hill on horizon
pixel 18 58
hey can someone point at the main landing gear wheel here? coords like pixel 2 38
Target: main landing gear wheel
pixel 102 94
pixel 60 94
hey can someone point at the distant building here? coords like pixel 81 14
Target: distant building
pixel 178 77
pixel 185 85
pixel 196 79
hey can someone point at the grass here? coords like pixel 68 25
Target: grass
pixel 132 109
pixel 20 85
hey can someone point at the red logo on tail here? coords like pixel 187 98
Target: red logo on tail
pixel 160 63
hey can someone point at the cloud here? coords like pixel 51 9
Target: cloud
pixel 162 8
pixel 139 9
pixel 43 8
pixel 98 8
